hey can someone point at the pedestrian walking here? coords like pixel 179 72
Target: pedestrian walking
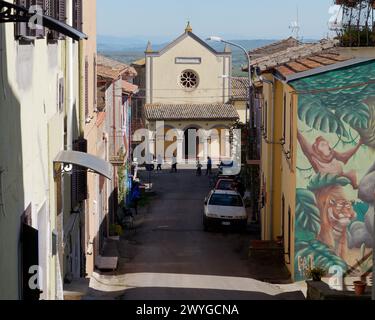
pixel 199 168
pixel 160 163
pixel 209 166
pixel 135 196
pixel 174 164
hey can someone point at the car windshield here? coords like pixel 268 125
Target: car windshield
pixel 226 200
pixel 225 185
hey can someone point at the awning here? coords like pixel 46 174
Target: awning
pixel 86 160
pixel 10 12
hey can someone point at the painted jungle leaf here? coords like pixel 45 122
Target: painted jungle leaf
pixel 320 117
pixel 307 212
pixel 356 115
pixel 325 180
pixel 324 256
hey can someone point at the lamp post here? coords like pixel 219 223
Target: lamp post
pixel 250 107
pixel 218 39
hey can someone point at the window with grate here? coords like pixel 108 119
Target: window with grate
pixel 79 176
pixel 23 29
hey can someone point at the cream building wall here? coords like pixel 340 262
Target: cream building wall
pixel 32 134
pixel 91 131
pixel 163 72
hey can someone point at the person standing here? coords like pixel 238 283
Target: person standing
pixel 160 162
pixel 209 166
pixel 174 164
pixel 199 168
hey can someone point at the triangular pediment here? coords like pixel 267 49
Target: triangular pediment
pixel 183 37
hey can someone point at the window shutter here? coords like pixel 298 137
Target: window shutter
pixel 38 33
pixel 79 176
pixel 22 28
pixel 77 14
pixel 61 94
pixel 87 111
pixel 95 84
pixel 61 15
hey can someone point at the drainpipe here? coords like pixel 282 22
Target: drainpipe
pixel 69 78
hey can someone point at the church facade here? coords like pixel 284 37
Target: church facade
pixel 187 90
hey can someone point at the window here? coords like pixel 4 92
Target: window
pixel 226 200
pixel 189 79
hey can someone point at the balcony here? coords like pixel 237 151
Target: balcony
pixel 118 146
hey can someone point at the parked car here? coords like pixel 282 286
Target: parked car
pixel 225 184
pixel 224 208
pixel 229 168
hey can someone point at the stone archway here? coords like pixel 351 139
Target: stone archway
pixel 218 142
pixel 186 143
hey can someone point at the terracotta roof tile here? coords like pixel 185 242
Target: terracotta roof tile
pixel 322 60
pixel 274 47
pixel 297 67
pixel 240 88
pixel 309 63
pixel 129 87
pixel 284 71
pixel 190 112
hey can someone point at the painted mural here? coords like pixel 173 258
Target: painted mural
pixel 336 170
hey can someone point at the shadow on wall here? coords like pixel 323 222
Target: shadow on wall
pixel 12 197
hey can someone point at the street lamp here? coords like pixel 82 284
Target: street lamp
pixel 218 39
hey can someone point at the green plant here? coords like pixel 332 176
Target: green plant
pixel 316 273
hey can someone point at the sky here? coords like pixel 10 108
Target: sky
pixel 160 20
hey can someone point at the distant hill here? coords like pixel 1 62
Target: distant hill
pixel 130 49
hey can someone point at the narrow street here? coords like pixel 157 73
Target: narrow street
pixel 171 257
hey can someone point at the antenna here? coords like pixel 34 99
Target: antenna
pixel 295 27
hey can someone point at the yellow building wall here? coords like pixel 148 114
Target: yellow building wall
pixel 271 159
pixel 240 106
pixel 288 173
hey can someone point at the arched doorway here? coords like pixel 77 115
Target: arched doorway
pixel 218 143
pixel 188 133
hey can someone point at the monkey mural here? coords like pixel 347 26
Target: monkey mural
pixel 325 160
pixel 336 211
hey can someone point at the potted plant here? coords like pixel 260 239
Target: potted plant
pixel 360 287
pixel 316 273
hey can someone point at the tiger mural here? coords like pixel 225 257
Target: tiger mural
pixel 337 214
